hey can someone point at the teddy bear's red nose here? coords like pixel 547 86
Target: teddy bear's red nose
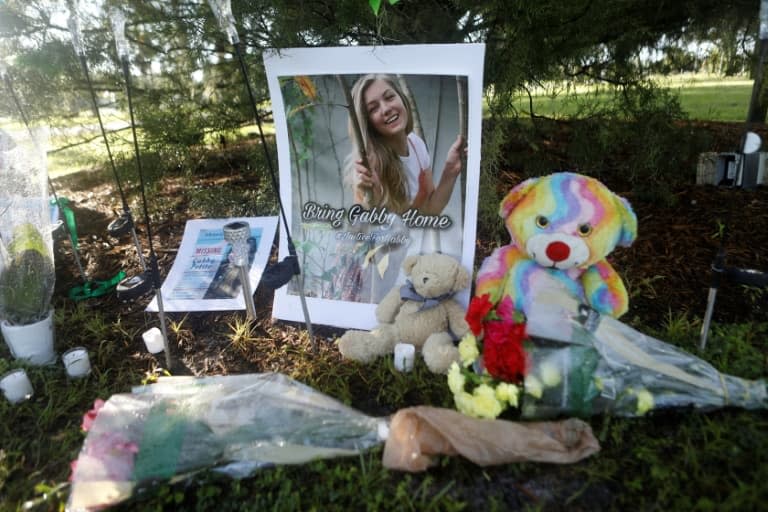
pixel 558 251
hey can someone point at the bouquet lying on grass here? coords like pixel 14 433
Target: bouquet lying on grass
pixel 237 424
pixel 234 424
pixel 568 360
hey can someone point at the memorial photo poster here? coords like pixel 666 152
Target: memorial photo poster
pixel 202 277
pixel 379 158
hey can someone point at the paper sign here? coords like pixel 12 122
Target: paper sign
pixel 202 277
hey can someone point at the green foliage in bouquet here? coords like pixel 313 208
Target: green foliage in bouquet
pixel 27 278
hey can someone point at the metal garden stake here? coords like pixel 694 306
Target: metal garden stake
pixel 131 287
pixel 237 235
pixel 118 29
pixel 281 273
pixel 735 275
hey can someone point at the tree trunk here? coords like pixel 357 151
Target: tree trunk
pixel 758 103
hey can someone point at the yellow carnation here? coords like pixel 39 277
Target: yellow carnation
pixel 485 403
pixel 507 392
pixel 533 386
pixel 468 351
pixel 456 379
pixel 464 403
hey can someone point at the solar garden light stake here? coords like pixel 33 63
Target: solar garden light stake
pixel 118 29
pixel 237 235
pixel 281 273
pixel 132 287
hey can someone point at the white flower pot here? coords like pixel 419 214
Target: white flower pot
pixel 32 343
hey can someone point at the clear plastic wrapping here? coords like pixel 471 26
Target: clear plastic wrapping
pixel 585 363
pixel 234 424
pixel 27 275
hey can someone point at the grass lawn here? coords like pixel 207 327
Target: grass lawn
pixel 76 144
pixel 701 97
pixel 713 99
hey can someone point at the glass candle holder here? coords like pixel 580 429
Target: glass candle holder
pixel 76 362
pixel 153 340
pixel 16 386
pixel 404 356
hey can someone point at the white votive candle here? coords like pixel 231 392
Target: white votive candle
pixel 404 354
pixel 153 339
pixel 76 362
pixel 16 386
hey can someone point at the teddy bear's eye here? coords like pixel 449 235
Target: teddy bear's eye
pixel 542 221
pixel 585 229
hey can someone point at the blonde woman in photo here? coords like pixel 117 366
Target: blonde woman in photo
pixel 399 172
pixel 397 178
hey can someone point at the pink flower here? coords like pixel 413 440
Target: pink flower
pixel 108 455
pixel 505 310
pixel 90 416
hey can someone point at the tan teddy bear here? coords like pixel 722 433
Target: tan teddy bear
pixel 421 312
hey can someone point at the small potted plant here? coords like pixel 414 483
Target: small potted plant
pixel 27 274
pixel 27 279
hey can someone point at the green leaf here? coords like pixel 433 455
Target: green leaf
pixel 376 5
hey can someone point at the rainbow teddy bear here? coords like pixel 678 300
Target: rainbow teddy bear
pixel 562 227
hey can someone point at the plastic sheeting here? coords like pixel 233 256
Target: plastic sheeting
pixel 25 222
pixel 589 364
pixel 586 364
pixel 234 424
pixel 240 423
pixel 24 194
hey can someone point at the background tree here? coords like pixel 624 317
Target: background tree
pixel 186 80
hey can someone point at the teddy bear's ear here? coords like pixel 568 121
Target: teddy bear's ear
pixel 628 222
pixel 461 280
pixel 409 263
pixel 515 196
